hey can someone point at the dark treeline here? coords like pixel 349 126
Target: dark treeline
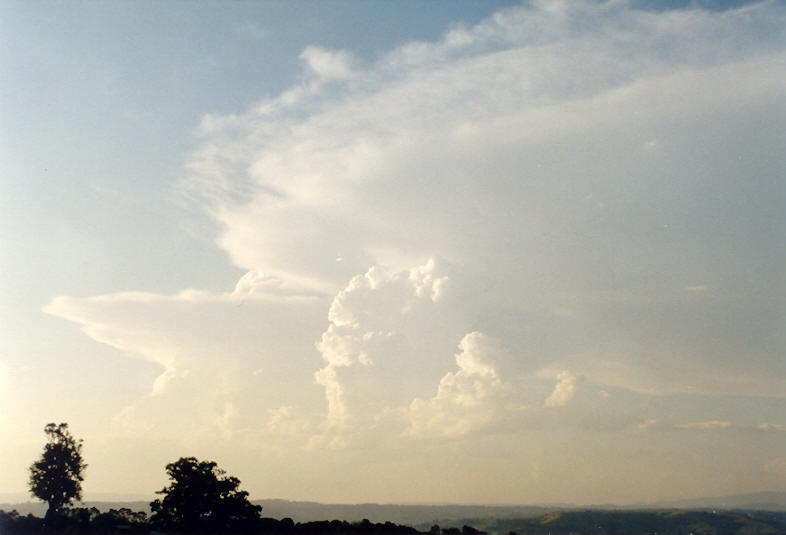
pixel 82 520
pixel 118 521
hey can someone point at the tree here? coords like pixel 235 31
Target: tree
pixel 57 478
pixel 202 499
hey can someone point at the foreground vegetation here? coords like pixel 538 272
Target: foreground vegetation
pixel 117 521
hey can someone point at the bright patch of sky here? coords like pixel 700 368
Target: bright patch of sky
pixel 413 251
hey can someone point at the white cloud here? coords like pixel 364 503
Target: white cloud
pixel 655 369
pixel 710 425
pixel 699 288
pixel 513 150
pixel 565 389
pixel 573 169
pixel 650 423
pixel 771 427
pixel 328 64
pixel 383 345
pixel 651 145
pixel 705 426
pixel 776 466
pixel 471 398
pixel 214 350
pixel 286 421
pixel 224 420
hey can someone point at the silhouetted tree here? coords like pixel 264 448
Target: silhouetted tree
pixel 57 478
pixel 13 523
pixel 202 499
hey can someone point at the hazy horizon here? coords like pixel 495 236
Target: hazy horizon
pixel 10 498
pixel 396 252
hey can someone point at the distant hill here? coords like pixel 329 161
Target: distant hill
pixel 639 523
pixel 587 522
pixel 762 501
pixel 444 515
pixel 399 514
pixel 313 511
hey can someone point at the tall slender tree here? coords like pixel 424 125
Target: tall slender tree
pixel 57 476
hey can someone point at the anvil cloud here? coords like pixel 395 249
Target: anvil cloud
pixel 516 244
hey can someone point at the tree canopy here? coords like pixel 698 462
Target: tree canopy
pixel 56 477
pixel 201 498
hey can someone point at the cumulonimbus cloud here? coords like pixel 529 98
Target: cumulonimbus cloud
pixel 599 188
pixel 547 150
pixel 472 397
pixel 379 348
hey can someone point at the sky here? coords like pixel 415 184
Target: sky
pixel 402 252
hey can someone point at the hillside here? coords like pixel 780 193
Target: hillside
pixel 762 501
pixel 527 520
pixel 639 523
pixel 401 514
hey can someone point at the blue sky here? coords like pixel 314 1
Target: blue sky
pixel 126 83
pixel 345 237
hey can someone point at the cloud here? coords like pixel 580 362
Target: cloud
pixel 328 64
pixel 383 344
pixel 513 149
pixel 214 350
pixel 771 427
pixel 650 423
pixel 471 398
pixel 710 425
pixel 700 288
pixel 776 466
pixel 224 419
pixel 705 426
pixel 567 383
pixel 573 171
pixel 285 420
pixel 511 152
